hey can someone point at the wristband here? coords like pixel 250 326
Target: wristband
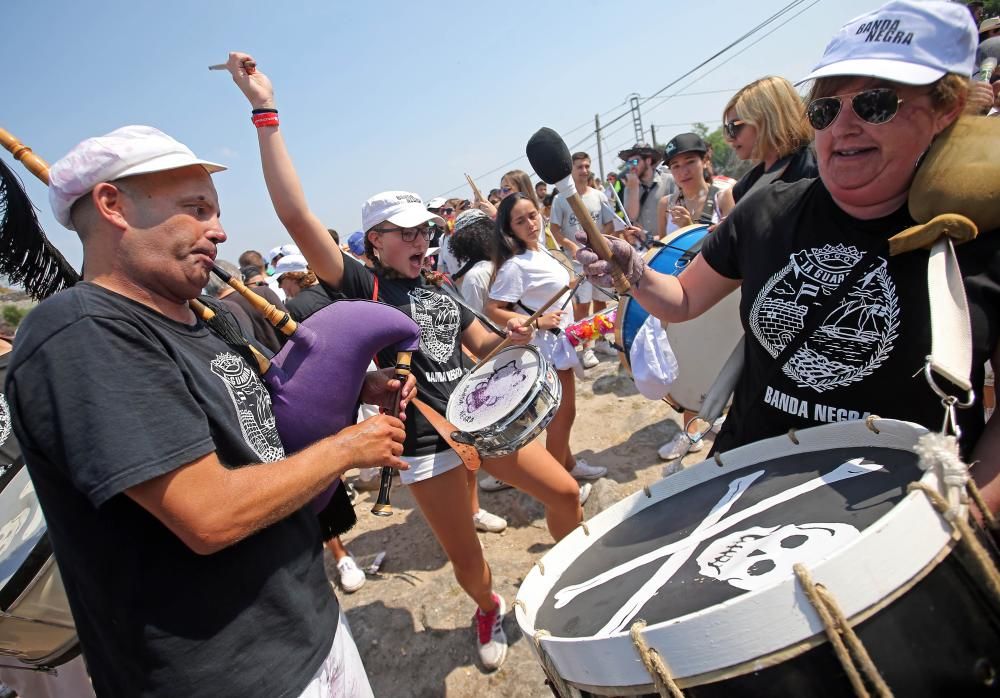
pixel 264 118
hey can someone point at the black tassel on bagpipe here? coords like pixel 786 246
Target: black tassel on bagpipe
pixel 27 258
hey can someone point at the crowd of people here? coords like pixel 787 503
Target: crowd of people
pixel 192 560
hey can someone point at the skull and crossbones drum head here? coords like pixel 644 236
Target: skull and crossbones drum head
pixel 704 559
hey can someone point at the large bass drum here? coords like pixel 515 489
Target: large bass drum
pixel 36 626
pixel 705 558
pixel 702 345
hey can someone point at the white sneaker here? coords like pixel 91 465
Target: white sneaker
pixel 588 359
pixel 585 489
pixel 585 471
pixel 487 522
pixel 491 484
pixel 677 447
pixel 605 349
pixel 491 638
pixel 351 576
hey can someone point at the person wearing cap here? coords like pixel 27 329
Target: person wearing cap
pixel 191 564
pixel 397 232
pixel 765 122
pixel 687 158
pixel 889 83
pixel 645 185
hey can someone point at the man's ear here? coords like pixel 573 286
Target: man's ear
pixel 109 202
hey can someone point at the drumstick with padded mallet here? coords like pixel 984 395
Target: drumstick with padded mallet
pixel 550 158
pixel 527 323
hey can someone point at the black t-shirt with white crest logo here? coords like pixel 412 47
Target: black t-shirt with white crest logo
pixel 792 246
pixel 107 394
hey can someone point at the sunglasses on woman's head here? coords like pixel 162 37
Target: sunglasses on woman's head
pixel 875 106
pixel 732 128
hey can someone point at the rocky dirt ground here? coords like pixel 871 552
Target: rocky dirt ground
pixel 413 623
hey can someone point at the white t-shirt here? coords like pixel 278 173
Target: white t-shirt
pixel 474 284
pixel 595 201
pixel 447 262
pixel 532 278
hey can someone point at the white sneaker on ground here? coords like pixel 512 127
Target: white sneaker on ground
pixel 605 349
pixel 585 471
pixel 491 484
pixel 351 576
pixel 677 447
pixel 588 359
pixel 487 522
pixel 585 489
pixel 490 635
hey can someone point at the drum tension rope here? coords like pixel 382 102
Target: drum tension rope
pixel 657 668
pixel 846 644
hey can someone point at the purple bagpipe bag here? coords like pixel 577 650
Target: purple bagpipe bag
pixel 315 380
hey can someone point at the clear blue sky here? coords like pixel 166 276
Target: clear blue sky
pixel 376 96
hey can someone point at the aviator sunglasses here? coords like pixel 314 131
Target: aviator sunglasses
pixel 875 106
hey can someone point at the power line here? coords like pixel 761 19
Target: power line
pixel 792 5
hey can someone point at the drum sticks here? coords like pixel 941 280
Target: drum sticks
pixel 527 323
pixel 550 158
pixel 475 190
pixel 382 507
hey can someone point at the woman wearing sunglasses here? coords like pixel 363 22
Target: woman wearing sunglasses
pixel 888 84
pixel 764 122
pixel 397 232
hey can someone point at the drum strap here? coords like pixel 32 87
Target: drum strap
pixel 468 453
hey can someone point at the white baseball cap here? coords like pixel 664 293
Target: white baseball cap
pixel 127 151
pixel 907 41
pixel 399 208
pixel 281 251
pixel 437 202
pixel 291 263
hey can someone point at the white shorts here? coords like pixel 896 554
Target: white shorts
pixel 341 675
pixel 425 467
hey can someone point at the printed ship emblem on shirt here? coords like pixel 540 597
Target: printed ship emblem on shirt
pixel 854 338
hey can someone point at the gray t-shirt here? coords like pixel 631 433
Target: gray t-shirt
pixel 595 201
pixel 649 195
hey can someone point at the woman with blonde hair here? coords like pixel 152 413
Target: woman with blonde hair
pixel 765 121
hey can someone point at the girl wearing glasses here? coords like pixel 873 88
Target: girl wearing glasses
pixel 819 248
pixel 765 122
pixel 397 232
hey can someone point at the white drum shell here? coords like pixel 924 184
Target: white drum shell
pixel 864 574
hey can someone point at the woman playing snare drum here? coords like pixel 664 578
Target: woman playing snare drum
pixel 397 233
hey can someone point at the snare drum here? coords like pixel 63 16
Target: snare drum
pixel 505 403
pixel 701 345
pixel 36 626
pixel 705 558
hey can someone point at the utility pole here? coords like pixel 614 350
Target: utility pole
pixel 652 135
pixel 600 152
pixel 636 118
